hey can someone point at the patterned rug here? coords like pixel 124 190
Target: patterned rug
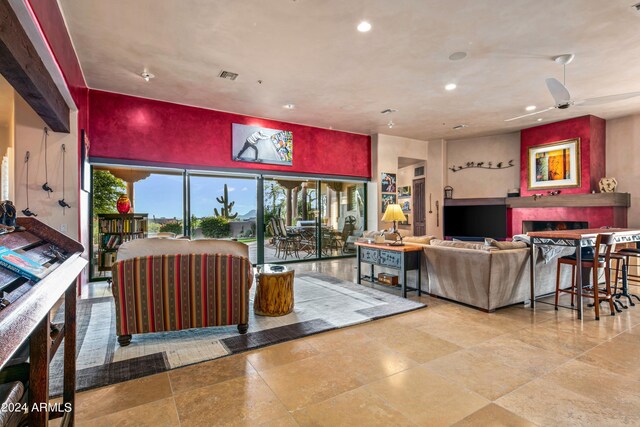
pixel 322 303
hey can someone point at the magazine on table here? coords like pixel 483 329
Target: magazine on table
pixel 21 265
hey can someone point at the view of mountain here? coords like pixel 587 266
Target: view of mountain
pixel 249 215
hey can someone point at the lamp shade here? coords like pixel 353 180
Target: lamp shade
pixel 393 213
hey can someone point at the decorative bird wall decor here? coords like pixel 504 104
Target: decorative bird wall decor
pixel 483 165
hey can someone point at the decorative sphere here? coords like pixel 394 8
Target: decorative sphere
pixel 608 185
pixel 124 204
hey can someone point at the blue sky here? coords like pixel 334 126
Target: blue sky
pixel 161 195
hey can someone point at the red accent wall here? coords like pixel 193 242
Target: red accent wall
pixel 125 127
pixel 598 164
pixel 596 216
pixel 590 130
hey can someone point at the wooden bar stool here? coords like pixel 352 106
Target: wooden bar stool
pixel 601 259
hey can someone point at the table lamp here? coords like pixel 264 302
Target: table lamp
pixel 394 213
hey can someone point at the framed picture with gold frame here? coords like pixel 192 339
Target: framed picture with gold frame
pixel 554 165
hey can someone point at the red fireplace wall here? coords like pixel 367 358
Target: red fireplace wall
pixel 596 216
pixel 598 155
pixel 590 130
pixel 128 128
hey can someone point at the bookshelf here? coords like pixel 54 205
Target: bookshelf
pixel 115 229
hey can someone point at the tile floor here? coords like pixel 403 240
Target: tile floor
pixel 444 365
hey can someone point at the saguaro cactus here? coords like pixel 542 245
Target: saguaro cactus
pixel 225 210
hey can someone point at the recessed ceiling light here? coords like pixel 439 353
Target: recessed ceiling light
pixel 451 86
pixel 457 56
pixel 146 76
pixel 539 120
pixel 289 106
pixel 364 26
pixel 531 108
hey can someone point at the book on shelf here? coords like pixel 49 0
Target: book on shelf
pixel 135 225
pixel 111 241
pixel 108 259
pixel 21 265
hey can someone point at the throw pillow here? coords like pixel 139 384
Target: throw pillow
pixel 507 245
pixel 461 245
pixel 424 240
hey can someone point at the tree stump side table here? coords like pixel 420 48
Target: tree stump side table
pixel 274 291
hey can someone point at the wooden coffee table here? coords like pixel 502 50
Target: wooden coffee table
pixel 274 291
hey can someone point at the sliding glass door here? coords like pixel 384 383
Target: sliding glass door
pixel 301 218
pixel 223 208
pixel 291 219
pixel 158 193
pixel 342 206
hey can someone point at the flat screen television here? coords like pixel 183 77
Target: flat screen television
pixel 476 221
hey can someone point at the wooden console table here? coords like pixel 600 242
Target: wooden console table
pixel 402 258
pixel 25 319
pixel 578 239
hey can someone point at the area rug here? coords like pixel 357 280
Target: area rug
pixel 322 303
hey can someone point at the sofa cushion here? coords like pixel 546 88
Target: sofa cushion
pixel 151 247
pixel 506 245
pixel 424 240
pixel 461 245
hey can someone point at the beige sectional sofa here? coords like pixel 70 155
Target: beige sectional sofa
pixel 486 277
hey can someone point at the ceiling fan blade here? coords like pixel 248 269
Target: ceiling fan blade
pixel 530 114
pixel 558 91
pixel 606 99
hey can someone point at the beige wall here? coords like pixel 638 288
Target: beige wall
pixel 623 160
pixel 435 182
pixel 7 132
pixel 6 149
pixel 385 150
pixel 29 137
pixel 476 182
pixel 405 177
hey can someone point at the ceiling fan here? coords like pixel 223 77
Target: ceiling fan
pixel 562 97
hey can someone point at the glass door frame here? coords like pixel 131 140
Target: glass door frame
pixel 187 173
pixel 318 223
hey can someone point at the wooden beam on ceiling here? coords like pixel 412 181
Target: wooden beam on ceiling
pixel 23 68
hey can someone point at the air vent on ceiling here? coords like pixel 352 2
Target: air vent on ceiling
pixel 228 75
pixel 458 127
pixel 388 110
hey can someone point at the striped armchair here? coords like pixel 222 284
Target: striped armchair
pixel 179 284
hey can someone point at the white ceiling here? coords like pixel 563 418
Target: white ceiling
pixel 308 52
